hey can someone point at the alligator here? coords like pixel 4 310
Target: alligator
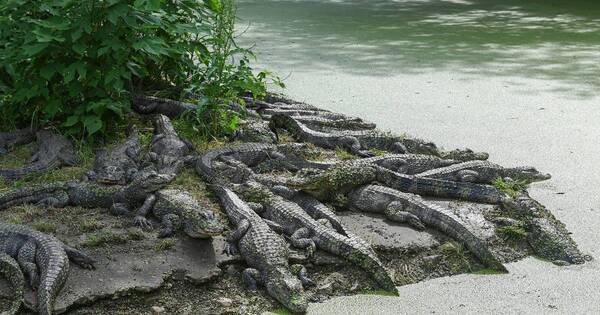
pixel 8 140
pixel 327 185
pixel 260 105
pixel 154 105
pixel 43 258
pixel 360 141
pixel 306 232
pixel 319 123
pixel 9 269
pixel 547 236
pixel 250 154
pixel 179 210
pixel 484 172
pixel 53 152
pixel 117 165
pixel 411 208
pixel 254 130
pixel 265 252
pixel 169 153
pixel 271 112
pixel 464 155
pixel 119 199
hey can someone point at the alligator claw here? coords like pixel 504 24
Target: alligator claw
pixel 142 222
pixel 230 249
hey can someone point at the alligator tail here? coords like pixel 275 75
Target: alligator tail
pixel 53 273
pixel 9 269
pixel 29 195
pixel 354 252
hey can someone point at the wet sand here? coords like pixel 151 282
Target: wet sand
pixel 530 100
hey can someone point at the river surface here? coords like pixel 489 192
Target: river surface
pixel 518 79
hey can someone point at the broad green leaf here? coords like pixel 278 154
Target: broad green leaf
pixel 71 121
pixel 32 50
pixel 92 124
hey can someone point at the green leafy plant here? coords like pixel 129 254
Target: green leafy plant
pixel 76 63
pixel 509 187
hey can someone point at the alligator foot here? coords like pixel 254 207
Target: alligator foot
pixel 251 278
pixel 79 258
pixel 300 271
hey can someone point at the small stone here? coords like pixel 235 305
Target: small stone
pixel 157 309
pixel 225 302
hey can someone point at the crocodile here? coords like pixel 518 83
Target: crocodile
pixel 8 140
pixel 306 232
pixel 265 252
pixel 154 105
pixel 403 207
pixel 43 258
pixel 327 185
pixel 169 153
pixel 117 165
pixel 484 172
pixel 53 152
pixel 9 269
pixel 179 210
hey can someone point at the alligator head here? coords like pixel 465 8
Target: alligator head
pixel 287 289
pixel 201 223
pixel 149 181
pixel 526 173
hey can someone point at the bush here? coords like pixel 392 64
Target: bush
pixel 76 63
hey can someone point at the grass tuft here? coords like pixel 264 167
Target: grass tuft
pixel 509 187
pixel 103 238
pixel 164 244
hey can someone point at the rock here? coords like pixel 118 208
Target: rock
pixel 334 282
pixel 157 309
pixel 113 277
pixel 225 302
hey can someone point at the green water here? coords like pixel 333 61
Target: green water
pixel 549 40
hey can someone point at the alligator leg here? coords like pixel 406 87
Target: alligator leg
pixel 170 222
pixel 274 226
pixel 26 259
pixel 79 258
pixel 9 268
pixel 251 277
pixel 59 200
pixel 235 236
pixel 395 212
pixel 301 239
pixel 140 217
pixel 467 176
pixel 326 223
pixel 300 271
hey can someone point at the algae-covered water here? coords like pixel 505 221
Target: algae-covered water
pixel 518 79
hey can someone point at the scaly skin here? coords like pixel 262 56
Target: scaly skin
pixel 155 105
pixel 484 172
pixel 119 199
pixel 265 252
pixel 9 270
pixel 260 105
pixel 117 165
pixel 410 208
pixel 324 124
pixel 178 210
pixel 328 184
pixel 359 141
pixel 306 232
pixel 254 130
pixel 250 154
pixel 548 237
pixel 169 153
pixel 44 259
pixel 53 152
pixel 8 140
